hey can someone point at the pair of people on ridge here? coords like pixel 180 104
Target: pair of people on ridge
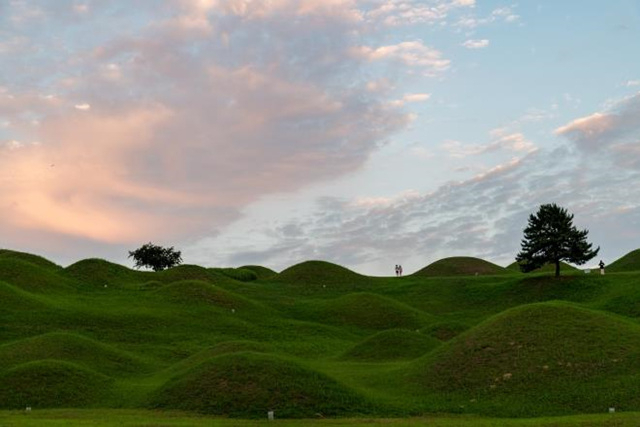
pixel 398 270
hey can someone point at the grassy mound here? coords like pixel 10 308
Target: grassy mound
pixel 96 273
pixel 539 359
pixel 260 271
pixel 549 268
pixel 444 331
pixel 393 344
pixel 371 311
pixel 460 266
pixel 198 292
pixel 51 384
pixel 224 347
pixel 33 259
pixel 31 277
pixel 239 274
pixel 250 384
pixel 319 273
pixel 629 262
pixel 13 298
pixel 70 348
pixel 187 272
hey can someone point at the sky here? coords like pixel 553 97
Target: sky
pixel 367 133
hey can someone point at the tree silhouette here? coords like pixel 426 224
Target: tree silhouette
pixel 551 237
pixel 155 257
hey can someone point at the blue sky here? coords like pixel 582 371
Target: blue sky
pixel 363 132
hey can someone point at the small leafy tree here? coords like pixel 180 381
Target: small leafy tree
pixel 155 257
pixel 551 237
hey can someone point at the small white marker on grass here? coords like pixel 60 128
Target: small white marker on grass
pixel 270 415
pixel 612 410
pixel 28 409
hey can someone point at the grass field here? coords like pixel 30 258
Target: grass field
pixel 461 337
pixel 131 418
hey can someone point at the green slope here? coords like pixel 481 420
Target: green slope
pixel 317 338
pixel 539 359
pixel 393 344
pixel 549 268
pixel 629 262
pixel 460 266
pixel 51 384
pixel 251 384
pixel 318 273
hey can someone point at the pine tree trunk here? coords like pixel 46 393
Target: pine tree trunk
pixel 557 268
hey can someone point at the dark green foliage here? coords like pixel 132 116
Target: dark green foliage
pixel 629 262
pixel 250 384
pixel 393 344
pixel 460 266
pixel 551 237
pixel 155 257
pixel 51 384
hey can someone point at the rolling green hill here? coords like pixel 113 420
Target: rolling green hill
pixel 549 268
pixel 629 262
pixel 545 359
pixel 460 266
pixel 318 339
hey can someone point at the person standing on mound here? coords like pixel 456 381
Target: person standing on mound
pixel 601 267
pixel 397 270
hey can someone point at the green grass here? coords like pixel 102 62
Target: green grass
pixel 248 384
pixel 549 268
pixel 460 266
pixel 629 262
pixel 317 339
pixel 392 344
pixel 543 359
pixel 138 418
pixel 50 384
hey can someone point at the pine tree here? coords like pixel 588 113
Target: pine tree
pixel 551 237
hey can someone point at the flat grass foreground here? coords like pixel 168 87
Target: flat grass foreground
pixel 317 344
pixel 131 418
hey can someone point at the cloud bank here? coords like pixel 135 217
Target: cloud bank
pixel 592 173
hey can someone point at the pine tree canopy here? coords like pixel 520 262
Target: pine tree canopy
pixel 551 237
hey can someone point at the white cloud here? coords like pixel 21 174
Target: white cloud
pixel 410 98
pixel 613 132
pixel 632 83
pixel 411 12
pixel 13 144
pixel 502 14
pixel 416 97
pixel 412 53
pixel 501 139
pixel 476 44
pixel 186 138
